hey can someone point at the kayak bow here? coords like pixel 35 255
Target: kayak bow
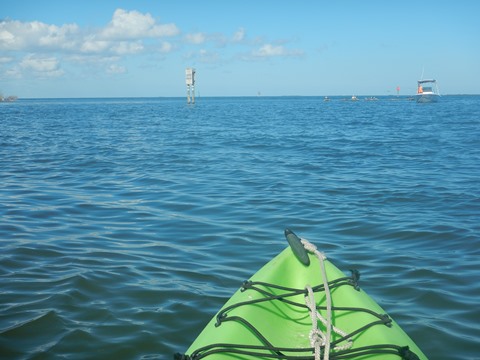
pixel 299 306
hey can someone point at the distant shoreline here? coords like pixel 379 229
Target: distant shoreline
pixel 334 97
pixel 10 98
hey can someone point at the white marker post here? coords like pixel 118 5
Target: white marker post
pixel 190 81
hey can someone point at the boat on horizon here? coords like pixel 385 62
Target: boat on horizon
pixel 427 91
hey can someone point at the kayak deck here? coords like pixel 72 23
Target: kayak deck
pixel 269 317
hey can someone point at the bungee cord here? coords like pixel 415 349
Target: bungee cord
pixel 322 346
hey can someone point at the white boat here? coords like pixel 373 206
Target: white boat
pixel 427 91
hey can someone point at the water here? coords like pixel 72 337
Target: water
pixel 127 223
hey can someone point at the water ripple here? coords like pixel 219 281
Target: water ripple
pixel 127 223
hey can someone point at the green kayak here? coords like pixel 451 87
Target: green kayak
pixel 300 306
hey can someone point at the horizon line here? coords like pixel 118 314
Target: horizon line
pixel 228 96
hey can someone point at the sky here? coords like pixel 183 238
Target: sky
pixel 141 48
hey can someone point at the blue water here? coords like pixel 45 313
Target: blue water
pixel 125 224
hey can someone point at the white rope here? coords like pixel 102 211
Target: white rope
pixel 317 337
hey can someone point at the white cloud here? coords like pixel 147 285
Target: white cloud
pixel 92 59
pixel 135 25
pixel 206 56
pixel 125 47
pixel 93 45
pixel 128 33
pixel 218 39
pixel 122 35
pixel 166 47
pixel 239 35
pixel 49 45
pixel 116 69
pixel 5 59
pixel 7 39
pixel 64 37
pixel 14 73
pixel 269 50
pixel 41 66
pixel 196 38
pixel 17 35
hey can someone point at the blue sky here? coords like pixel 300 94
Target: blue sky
pixel 141 48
